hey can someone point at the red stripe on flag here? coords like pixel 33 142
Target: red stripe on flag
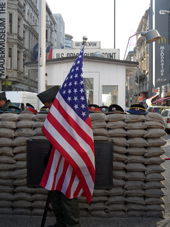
pixel 77 191
pixel 72 163
pixel 72 142
pixel 53 186
pixel 47 170
pixel 74 124
pixel 62 177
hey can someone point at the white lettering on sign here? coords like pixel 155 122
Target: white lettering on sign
pixel 162 57
pixel 2 38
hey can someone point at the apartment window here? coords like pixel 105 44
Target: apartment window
pixel 131 81
pixel 19 24
pixel 10 23
pixel 18 60
pixel 109 95
pixel 46 35
pixel 10 58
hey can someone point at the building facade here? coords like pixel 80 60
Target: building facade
pixel 22 20
pixel 60 31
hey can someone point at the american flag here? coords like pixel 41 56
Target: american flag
pixel 71 166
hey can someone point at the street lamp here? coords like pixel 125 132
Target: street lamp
pixel 150 36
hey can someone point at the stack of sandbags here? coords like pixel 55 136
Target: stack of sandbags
pixel 39 121
pixel 7 162
pixel 98 121
pixel 135 165
pixel 116 129
pixel 22 194
pixel 154 170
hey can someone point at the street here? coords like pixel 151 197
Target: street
pixel 167 146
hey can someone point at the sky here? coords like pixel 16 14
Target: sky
pixel 95 19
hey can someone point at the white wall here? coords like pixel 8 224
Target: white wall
pixel 105 73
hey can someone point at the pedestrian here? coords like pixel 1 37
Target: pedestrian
pixel 5 103
pixel 66 210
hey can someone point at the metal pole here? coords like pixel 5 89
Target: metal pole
pixel 114 24
pixel 41 49
pixel 29 58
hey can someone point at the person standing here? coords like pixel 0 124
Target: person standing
pixel 4 102
pixel 66 210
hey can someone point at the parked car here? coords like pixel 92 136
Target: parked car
pixel 166 116
pixel 156 109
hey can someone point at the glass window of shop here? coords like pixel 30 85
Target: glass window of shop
pixel 88 86
pixel 165 89
pixel 109 95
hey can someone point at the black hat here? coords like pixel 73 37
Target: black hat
pixel 48 95
pixel 104 108
pixel 93 107
pixel 137 109
pixel 115 108
pixel 2 95
pixel 30 108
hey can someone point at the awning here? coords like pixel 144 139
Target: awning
pixel 162 99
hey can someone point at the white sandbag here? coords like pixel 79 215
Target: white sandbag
pixel 116 207
pixel 99 199
pixel 24 189
pixel 9 117
pixel 24 132
pixel 20 141
pixel 132 206
pixel 135 176
pixel 38 132
pixel 155 207
pixel 118 182
pixel 98 117
pixel 19 174
pixel 154 151
pixel 156 214
pixel 152 133
pixel 135 193
pixel 99 132
pixel 118 165
pixel 22 211
pixel 136 200
pixel 119 149
pixel 154 185
pixel 21 204
pixel 20 182
pixel 5 188
pixel 136 213
pixel 25 116
pixel 20 149
pixel 158 142
pixel 40 117
pixel 153 201
pixel 154 169
pixel 155 177
pixel 118 214
pixel 22 196
pixel 154 193
pixel 6 142
pixel 118 141
pixel 119 132
pixel 25 124
pixel 119 157
pixel 131 185
pixel 99 124
pixel 4 166
pixel 119 174
pixel 136 125
pixel 115 200
pixel 6 132
pixel 136 142
pixel 8 124
pixel 6 182
pixel 136 151
pixel 7 160
pixel 116 124
pixel 98 213
pixel 20 165
pixel 7 196
pixel 20 157
pixel 118 191
pixel 135 133
pixel 154 117
pixel 135 167
pixel 116 117
pixel 134 118
pixel 135 159
pixel 7 151
pixel 38 124
pixel 97 206
pixel 154 160
pixel 5 204
pixel 155 125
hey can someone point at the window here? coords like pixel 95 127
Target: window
pixel 10 23
pixel 165 113
pixel 10 58
pixel 88 86
pixel 18 58
pixel 109 95
pixel 19 21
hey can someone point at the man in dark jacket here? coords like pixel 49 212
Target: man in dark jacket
pixel 4 103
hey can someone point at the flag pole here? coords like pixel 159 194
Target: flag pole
pixel 41 49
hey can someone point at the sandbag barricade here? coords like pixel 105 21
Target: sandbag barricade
pixel 137 166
